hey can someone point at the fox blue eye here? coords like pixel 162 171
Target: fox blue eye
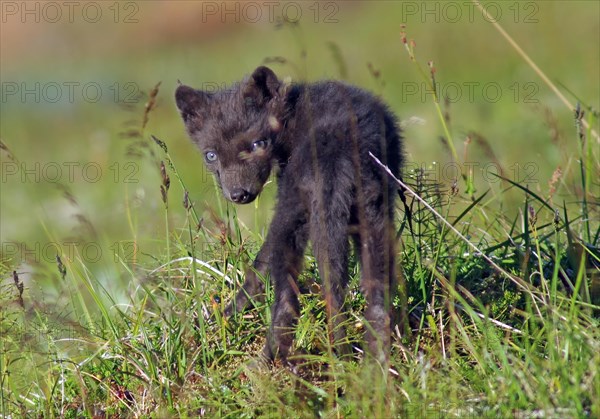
pixel 260 144
pixel 211 156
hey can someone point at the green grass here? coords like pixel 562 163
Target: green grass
pixel 501 300
pixel 519 340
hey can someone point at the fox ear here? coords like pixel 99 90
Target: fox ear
pixel 262 86
pixel 190 102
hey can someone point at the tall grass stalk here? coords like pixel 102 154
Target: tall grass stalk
pixel 489 18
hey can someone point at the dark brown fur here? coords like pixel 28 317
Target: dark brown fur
pixel 318 135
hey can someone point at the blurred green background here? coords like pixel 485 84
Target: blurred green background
pixel 76 77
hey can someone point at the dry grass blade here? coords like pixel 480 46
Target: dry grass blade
pixel 150 105
pixel 531 63
pixel 336 54
pixel 518 281
pixel 8 152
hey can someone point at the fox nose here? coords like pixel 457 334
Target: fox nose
pixel 239 196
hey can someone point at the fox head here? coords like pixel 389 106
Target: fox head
pixel 236 131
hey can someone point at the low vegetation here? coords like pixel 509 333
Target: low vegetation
pixel 501 312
